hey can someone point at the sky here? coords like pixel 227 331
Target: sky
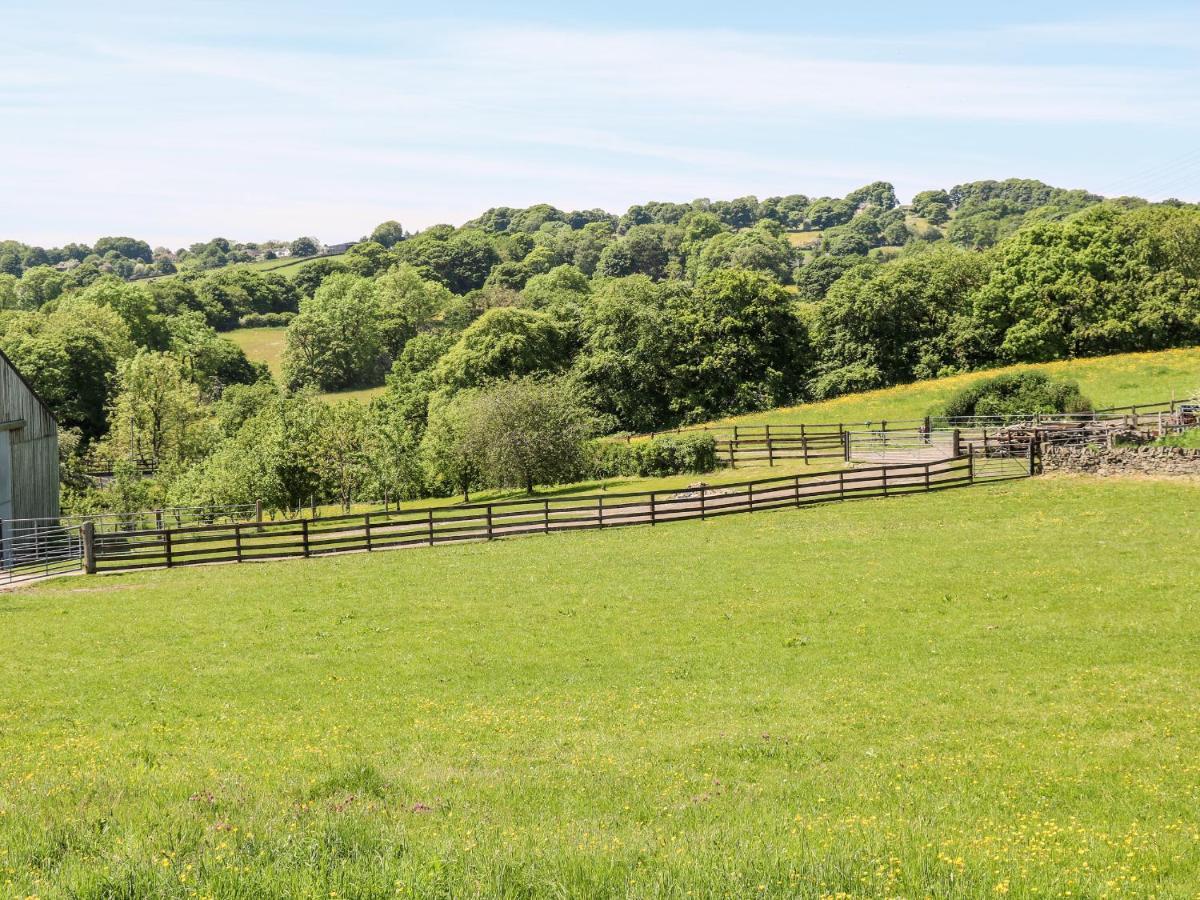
pixel 178 122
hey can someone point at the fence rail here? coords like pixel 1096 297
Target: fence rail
pixel 251 541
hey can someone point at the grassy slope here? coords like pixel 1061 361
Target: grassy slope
pixel 286 266
pixel 962 694
pixel 1108 380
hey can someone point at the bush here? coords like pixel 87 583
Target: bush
pixel 665 455
pixel 1017 394
pixel 266 320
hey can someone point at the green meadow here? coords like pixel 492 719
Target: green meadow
pixel 976 693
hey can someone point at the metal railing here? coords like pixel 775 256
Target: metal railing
pixel 31 552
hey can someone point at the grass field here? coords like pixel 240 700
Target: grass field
pixel 803 238
pixel 978 693
pixel 287 265
pixel 263 345
pixel 1107 380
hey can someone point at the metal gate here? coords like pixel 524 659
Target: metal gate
pixel 34 548
pixel 908 445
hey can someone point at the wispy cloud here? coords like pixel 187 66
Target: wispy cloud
pixel 200 130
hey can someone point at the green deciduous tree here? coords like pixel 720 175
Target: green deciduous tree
pixel 335 343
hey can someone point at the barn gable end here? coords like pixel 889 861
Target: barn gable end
pixel 29 427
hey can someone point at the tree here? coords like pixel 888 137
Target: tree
pixel 757 248
pixel 341 450
pixel 366 258
pixel 405 304
pixel 157 416
pixel 305 246
pixel 626 363
pixel 461 260
pixel 643 250
pixel 449 454
pixel 738 345
pixel 388 233
pixel 504 342
pixel 880 325
pixel 528 431
pixel 133 303
pixel 335 343
pixel 271 458
pixel 127 247
pixel 70 355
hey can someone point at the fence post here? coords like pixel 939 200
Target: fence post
pixel 258 514
pixel 928 426
pixel 804 443
pixel 158 520
pixel 367 529
pixel 167 547
pixel 87 536
pixel 1032 469
pixel 926 477
pixel 883 469
pixel 703 504
pixel 489 521
pixel 956 443
pixel 429 512
pixel 546 516
pixel 237 541
pixel 970 464
pixel 845 446
pixel 653 513
pixel 841 484
pixel 796 489
pixel 304 535
pixel 600 511
pixel 733 452
pixel 750 495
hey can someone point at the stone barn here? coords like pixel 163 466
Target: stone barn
pixel 28 450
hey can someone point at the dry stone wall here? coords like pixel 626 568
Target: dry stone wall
pixel 1173 461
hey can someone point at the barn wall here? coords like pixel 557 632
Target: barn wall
pixel 35 477
pixel 34 447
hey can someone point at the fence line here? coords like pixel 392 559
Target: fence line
pixel 762 431
pixel 251 541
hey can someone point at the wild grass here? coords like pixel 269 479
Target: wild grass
pixel 968 694
pixel 1189 439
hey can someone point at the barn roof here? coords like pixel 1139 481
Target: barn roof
pixel 25 381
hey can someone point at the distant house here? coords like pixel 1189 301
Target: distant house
pixel 339 248
pixel 28 450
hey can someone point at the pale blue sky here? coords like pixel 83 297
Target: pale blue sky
pixel 175 122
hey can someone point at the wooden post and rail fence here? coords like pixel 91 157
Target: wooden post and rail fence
pixel 378 530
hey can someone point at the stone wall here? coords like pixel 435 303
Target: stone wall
pixel 1122 461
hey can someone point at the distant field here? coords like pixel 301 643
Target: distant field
pixel 286 266
pixel 803 238
pixel 978 693
pixel 262 345
pixel 1108 380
